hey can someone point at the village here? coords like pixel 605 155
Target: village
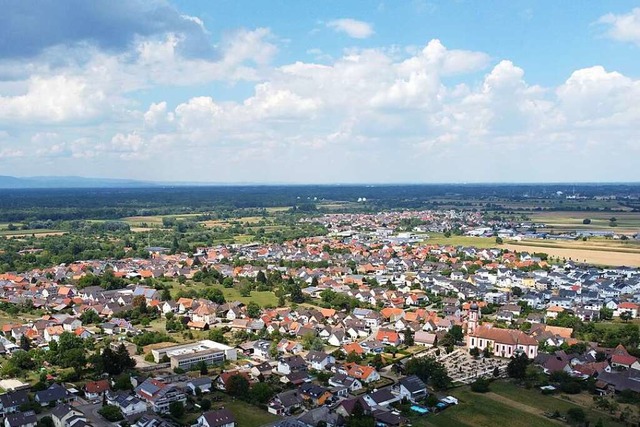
pixel 371 320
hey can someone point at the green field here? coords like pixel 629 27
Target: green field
pixel 231 294
pixel 536 399
pixel 477 410
pixel 508 405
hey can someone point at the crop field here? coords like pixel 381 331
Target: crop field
pixel 26 233
pixel 627 222
pixel 574 251
pixel 478 242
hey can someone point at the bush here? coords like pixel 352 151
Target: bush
pixel 576 415
pixel 111 413
pixel 586 221
pixel 481 385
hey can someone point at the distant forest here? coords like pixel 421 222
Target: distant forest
pixel 114 203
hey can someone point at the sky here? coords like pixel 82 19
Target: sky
pixel 332 91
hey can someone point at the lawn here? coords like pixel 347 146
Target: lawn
pixel 248 415
pixel 480 411
pixel 536 399
pixel 232 294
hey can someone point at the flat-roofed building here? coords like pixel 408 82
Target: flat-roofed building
pixel 186 356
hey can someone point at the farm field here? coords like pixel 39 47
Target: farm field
pixel 627 222
pixel 478 242
pixel 603 256
pixel 26 233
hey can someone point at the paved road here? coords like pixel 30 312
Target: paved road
pixel 91 412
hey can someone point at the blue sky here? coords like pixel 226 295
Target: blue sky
pixel 321 92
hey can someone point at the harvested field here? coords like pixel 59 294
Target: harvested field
pixel 604 256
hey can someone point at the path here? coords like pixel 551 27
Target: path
pixel 520 406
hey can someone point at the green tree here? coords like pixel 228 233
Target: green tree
pixel 481 385
pixel 238 386
pixel 205 404
pixel 606 313
pixel 576 415
pixel 499 241
pixel 625 316
pixel 430 371
pixel 377 362
pixel 202 366
pixel 217 335
pixel 408 337
pixel 176 409
pixel 517 367
pixel 111 413
pixel 253 310
pixel 358 418
pixel 261 392
pixel 25 342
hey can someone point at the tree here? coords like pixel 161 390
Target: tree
pixel 586 221
pixel 606 313
pixel 499 241
pixel 517 367
pixel 261 392
pixel 111 413
pixel 90 316
pixel 516 291
pixel 253 310
pixel 45 421
pixel 625 316
pixel 261 277
pixel 25 342
pixel 358 417
pixel 202 366
pixel 296 294
pixel 430 371
pixel 377 362
pixel 217 335
pixel 481 385
pixel 237 386
pixel 176 409
pixel 122 382
pixel 576 415
pixel 353 357
pixel 475 352
pixel 205 404
pixel 408 337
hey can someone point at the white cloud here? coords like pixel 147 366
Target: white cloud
pixel 352 27
pixel 624 28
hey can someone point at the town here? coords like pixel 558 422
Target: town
pixel 373 323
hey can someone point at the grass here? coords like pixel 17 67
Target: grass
pixel 478 242
pixel 480 411
pixel 507 405
pixel 548 403
pixel 231 294
pixel 247 415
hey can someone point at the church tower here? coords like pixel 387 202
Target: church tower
pixel 474 316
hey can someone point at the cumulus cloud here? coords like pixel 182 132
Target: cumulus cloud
pixel 624 27
pixel 352 27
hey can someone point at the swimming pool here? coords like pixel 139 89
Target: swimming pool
pixel 419 409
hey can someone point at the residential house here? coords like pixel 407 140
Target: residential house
pixel 54 394
pixel 129 405
pixel 412 388
pixel 94 390
pixel 319 360
pixel 218 418
pixel 65 415
pixel 287 365
pixel 21 419
pixel 159 394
